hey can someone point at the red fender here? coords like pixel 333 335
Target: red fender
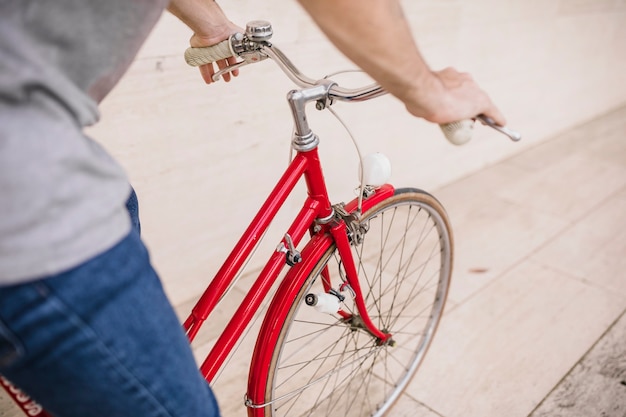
pixel 288 289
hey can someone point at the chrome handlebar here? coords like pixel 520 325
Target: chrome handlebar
pixel 254 46
pixel 302 81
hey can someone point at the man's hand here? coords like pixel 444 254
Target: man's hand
pixel 449 96
pixel 375 35
pixel 210 26
pixel 207 71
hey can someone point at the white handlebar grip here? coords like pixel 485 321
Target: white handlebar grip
pixel 201 56
pixel 458 133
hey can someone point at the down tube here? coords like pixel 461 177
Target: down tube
pixel 224 277
pixel 255 296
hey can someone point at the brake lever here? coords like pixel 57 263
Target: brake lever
pixel 248 58
pixel 230 68
pixel 513 135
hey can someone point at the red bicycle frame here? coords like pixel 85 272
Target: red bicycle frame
pixel 316 209
pixel 316 206
pixel 23 401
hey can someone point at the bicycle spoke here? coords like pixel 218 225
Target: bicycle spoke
pixel 329 366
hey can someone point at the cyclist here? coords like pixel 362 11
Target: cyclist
pixel 85 327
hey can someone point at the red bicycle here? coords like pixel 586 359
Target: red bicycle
pixel 353 315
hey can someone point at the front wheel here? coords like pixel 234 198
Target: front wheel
pixel 328 365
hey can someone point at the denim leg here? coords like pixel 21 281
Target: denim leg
pixel 102 340
pixel 132 205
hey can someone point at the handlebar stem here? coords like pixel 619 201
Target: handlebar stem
pixel 303 137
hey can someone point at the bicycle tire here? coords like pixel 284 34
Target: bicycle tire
pixel 323 366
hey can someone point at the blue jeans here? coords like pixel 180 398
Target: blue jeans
pixel 102 340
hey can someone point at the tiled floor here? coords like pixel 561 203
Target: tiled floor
pixel 535 324
pixel 549 228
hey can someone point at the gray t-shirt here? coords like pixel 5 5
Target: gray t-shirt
pixel 61 195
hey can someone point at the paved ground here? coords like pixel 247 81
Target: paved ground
pixel 541 330
pixel 535 324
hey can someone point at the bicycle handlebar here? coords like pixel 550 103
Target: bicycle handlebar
pixel 224 50
pixel 254 47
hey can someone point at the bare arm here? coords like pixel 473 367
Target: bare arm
pixel 375 35
pixel 210 26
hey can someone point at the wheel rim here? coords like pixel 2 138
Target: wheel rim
pixel 338 368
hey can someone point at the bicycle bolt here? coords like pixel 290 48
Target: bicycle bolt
pixel 310 299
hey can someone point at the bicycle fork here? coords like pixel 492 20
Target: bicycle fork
pixel 363 321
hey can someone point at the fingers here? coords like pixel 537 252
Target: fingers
pixel 221 65
pixel 495 115
pixel 208 71
pixel 487 108
pixel 232 61
pixel 465 98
